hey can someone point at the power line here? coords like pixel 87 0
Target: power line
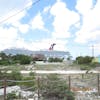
pixel 83 46
pixel 12 9
pixel 19 11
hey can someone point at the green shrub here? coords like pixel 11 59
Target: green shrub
pixel 55 60
pixel 4 62
pixel 53 87
pixel 95 64
pixel 84 60
pixel 11 96
pixel 85 67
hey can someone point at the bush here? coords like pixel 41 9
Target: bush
pixel 55 60
pixel 85 67
pixel 70 96
pixel 4 62
pixel 23 59
pixel 53 87
pixel 29 83
pixel 95 64
pixel 32 74
pixel 11 96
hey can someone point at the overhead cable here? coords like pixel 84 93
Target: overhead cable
pixel 18 12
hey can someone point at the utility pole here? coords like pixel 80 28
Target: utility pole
pixel 92 50
pixel 5 84
pixel 69 80
pixel 38 83
pixel 98 83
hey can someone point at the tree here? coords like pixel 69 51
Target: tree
pixel 25 60
pixel 69 56
pixel 4 59
pixel 84 60
pixel 3 56
pixel 22 59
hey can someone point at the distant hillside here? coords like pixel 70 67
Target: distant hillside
pixel 47 53
pixel 15 51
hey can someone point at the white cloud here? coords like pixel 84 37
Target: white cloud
pixel 23 28
pixel 97 49
pixel 46 9
pixel 37 22
pixel 13 12
pixel 90 29
pixel 63 19
pixel 7 37
pixel 14 21
pixel 60 44
pixel 85 36
pixel 21 43
pixel 84 6
pixel 41 44
pixel 8 9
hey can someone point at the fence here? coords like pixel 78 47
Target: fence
pixel 84 86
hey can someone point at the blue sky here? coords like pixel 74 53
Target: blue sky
pixel 74 25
